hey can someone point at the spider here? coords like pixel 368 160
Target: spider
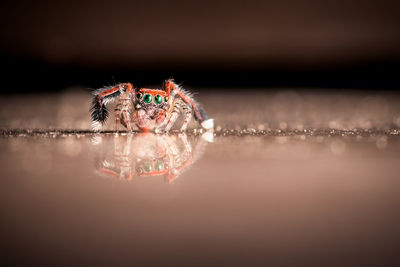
pixel 149 109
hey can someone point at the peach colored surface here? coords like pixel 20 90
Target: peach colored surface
pixel 283 198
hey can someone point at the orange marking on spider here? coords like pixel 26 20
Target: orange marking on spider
pixel 153 92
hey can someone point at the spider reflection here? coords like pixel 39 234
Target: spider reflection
pixel 148 154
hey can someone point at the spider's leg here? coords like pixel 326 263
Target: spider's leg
pixel 101 98
pixel 199 113
pixel 127 118
pixel 186 143
pixel 117 118
pixel 126 165
pixel 174 114
pixel 188 116
pixel 181 159
pixel 119 108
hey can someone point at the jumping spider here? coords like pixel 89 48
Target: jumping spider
pixel 149 109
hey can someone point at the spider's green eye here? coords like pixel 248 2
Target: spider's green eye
pixel 166 99
pixel 159 166
pixel 148 167
pixel 139 95
pixel 147 98
pixel 158 99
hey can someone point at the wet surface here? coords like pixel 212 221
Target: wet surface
pixel 274 184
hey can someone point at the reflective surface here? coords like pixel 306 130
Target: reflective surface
pixel 147 155
pixel 315 199
pixel 282 197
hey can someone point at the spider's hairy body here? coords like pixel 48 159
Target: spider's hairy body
pixel 148 109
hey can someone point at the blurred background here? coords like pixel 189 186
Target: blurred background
pixel 303 168
pixel 52 45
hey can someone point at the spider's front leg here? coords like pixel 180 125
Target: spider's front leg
pixel 102 97
pixel 180 106
pixel 124 111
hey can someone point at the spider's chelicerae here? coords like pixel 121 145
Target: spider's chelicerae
pixel 149 109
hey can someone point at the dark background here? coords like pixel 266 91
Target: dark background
pixel 51 45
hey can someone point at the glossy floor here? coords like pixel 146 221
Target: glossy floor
pixel 229 198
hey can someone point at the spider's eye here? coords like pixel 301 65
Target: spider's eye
pixel 158 99
pixel 166 99
pixel 148 167
pixel 147 98
pixel 159 166
pixel 139 95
